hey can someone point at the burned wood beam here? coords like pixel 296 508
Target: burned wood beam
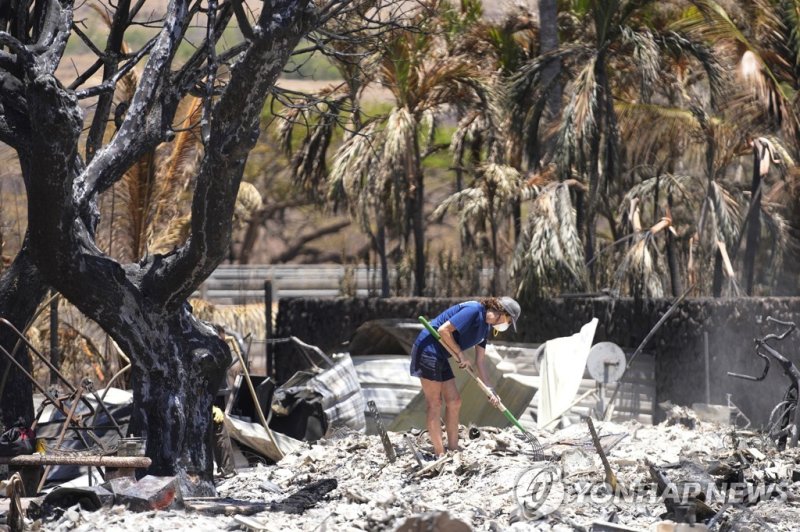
pixel 611 478
pixel 387 444
pixel 305 498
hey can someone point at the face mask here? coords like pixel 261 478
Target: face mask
pixel 500 327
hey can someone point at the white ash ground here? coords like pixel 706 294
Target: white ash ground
pixel 476 486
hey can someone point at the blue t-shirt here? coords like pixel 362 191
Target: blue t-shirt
pixel 469 319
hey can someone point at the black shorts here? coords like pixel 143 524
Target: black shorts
pixel 429 365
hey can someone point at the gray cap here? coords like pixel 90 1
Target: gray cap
pixel 512 308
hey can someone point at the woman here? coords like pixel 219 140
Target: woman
pixel 461 326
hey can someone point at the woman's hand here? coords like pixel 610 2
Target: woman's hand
pixel 494 399
pixel 464 363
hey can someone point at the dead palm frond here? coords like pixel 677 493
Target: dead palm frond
pixel 176 232
pixel 780 241
pixel 646 56
pixel 682 187
pixel 174 235
pixel 176 173
pixel 649 129
pixel 578 119
pixel 640 268
pixel 680 50
pixel 549 256
pixel 309 163
pixel 483 130
pixel 248 203
pixel 150 195
pixel 355 179
pixel 759 63
pixel 726 213
pixel 491 194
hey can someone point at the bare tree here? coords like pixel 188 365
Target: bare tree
pixel 178 361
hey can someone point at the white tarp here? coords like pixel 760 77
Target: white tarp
pixel 561 373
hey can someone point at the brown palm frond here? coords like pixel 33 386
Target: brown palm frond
pixel 177 172
pixel 174 235
pixel 710 20
pixel 243 319
pixel 287 120
pixel 355 178
pixel 646 55
pixel 134 194
pixel 781 239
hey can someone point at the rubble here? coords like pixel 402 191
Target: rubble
pixel 480 487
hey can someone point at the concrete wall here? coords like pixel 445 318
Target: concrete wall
pixel 732 324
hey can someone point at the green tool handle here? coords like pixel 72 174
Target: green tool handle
pixel 488 391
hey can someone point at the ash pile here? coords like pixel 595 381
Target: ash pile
pixel 678 475
pixel 315 454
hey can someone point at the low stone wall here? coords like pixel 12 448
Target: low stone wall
pixel 731 324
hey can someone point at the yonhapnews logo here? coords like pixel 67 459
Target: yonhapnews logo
pixel 541 490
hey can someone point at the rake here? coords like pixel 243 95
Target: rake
pixel 538 454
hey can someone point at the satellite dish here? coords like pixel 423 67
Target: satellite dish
pixel 606 362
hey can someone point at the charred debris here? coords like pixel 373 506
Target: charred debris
pixel 338 446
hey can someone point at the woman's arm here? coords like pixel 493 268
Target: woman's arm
pixel 446 332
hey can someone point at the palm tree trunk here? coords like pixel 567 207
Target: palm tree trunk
pixel 548 42
pixel 379 243
pixel 672 259
pixel 591 210
pixel 753 222
pixel 251 237
pixel 516 210
pixel 418 217
pixel 495 258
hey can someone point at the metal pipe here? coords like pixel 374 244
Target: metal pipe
pixel 639 349
pixel 30 460
pixel 43 358
pixel 707 362
pixel 268 352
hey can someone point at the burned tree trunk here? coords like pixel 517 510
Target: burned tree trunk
pixel 22 289
pixel 178 362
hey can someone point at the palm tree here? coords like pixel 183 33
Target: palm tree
pixel 549 256
pixel 761 40
pixel 378 170
pixel 491 198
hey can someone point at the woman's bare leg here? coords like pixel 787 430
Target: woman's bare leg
pixel 433 398
pixel 452 405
